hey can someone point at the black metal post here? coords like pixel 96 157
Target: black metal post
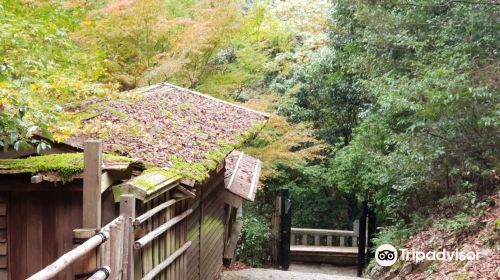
pixel 372 227
pixel 285 229
pixel 362 239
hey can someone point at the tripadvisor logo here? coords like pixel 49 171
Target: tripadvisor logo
pixel 387 255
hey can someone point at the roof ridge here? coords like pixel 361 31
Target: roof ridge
pixel 216 99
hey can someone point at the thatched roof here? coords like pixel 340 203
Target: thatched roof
pixel 167 125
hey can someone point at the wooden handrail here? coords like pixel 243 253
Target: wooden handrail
pixel 142 218
pixel 161 229
pixel 101 274
pixel 67 259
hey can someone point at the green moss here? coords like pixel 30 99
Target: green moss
pixel 167 113
pixel 117 113
pixel 199 171
pixel 66 165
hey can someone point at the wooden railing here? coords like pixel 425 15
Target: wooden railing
pixel 115 242
pixel 111 232
pixel 325 237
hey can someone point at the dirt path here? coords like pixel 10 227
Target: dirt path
pixel 296 272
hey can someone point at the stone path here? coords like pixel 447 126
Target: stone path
pixel 296 272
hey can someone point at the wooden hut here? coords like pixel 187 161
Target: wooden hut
pixel 170 152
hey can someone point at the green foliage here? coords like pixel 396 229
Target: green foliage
pixel 40 66
pixel 307 187
pixel 254 245
pixel 457 223
pixel 419 80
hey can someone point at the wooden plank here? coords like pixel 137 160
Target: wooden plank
pixel 92 184
pixel 34 237
pixel 329 240
pixel 3 209
pixel 3 249
pixel 3 262
pixel 18 246
pixel 316 240
pixel 342 241
pixel 304 239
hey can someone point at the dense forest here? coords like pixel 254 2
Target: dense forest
pixel 391 102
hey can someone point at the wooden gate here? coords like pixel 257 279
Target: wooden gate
pixel 281 229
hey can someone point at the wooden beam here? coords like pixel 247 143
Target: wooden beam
pixel 92 184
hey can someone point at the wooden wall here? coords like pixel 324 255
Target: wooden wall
pixel 4 261
pixel 193 235
pixel 212 232
pixel 40 226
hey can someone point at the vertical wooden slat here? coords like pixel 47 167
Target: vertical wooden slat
pixel 342 241
pixel 329 240
pixel 304 239
pixel 127 210
pixel 155 243
pixel 34 235
pixel 168 237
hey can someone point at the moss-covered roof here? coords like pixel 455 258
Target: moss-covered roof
pixel 169 127
pixel 65 165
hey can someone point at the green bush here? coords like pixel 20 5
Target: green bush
pixel 254 246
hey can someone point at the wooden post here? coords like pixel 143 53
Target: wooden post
pixel 92 184
pixel 371 232
pixel 362 240
pixel 235 235
pixel 316 240
pixel 355 229
pixel 92 160
pixel 329 240
pixel 127 210
pixel 285 229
